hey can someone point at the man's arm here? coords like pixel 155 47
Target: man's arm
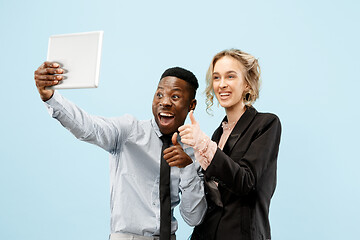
pixel 193 201
pixel 104 132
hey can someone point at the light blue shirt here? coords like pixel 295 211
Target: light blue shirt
pixel 135 151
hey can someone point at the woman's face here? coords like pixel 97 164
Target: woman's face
pixel 229 83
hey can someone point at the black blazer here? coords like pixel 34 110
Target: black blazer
pixel 246 174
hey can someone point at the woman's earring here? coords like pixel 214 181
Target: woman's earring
pixel 247 97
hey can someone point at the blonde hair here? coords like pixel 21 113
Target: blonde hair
pixel 251 71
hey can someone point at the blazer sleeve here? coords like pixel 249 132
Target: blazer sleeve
pixel 241 172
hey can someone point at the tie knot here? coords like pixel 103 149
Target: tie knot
pixel 166 139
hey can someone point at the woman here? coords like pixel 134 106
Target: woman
pixel 239 162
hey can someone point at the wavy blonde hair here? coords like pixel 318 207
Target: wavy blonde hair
pixel 251 71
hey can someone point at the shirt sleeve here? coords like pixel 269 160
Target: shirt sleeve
pixel 193 202
pixel 107 133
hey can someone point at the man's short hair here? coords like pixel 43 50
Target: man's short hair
pixel 183 74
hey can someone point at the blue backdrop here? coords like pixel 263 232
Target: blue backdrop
pixel 56 187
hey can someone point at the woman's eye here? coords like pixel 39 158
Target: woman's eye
pixel 231 76
pixel 215 78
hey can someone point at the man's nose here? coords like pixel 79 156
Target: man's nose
pixel 165 101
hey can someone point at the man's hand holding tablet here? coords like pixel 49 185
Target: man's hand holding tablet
pixel 45 77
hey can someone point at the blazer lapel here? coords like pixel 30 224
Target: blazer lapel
pixel 218 132
pixel 239 129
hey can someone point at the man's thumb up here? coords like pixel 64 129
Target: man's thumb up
pixel 174 139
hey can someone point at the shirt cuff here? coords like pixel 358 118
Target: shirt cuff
pixel 53 102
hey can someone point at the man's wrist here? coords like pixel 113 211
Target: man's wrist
pixel 46 97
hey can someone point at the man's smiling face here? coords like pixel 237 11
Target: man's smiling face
pixel 172 103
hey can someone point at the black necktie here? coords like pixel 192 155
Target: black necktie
pixel 165 201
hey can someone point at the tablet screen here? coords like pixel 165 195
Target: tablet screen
pixel 79 55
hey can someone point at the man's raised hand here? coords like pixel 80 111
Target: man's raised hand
pixel 175 155
pixel 45 77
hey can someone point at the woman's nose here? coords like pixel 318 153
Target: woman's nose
pixel 223 83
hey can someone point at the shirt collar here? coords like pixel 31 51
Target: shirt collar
pixel 159 134
pixel 156 127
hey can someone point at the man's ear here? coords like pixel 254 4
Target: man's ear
pixel 192 105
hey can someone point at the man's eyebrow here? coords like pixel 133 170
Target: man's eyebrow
pixel 177 89
pixel 173 89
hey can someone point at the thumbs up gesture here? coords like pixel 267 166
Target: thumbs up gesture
pixel 191 133
pixel 175 155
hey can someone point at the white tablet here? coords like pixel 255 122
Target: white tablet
pixel 79 55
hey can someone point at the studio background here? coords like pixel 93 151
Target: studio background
pixel 53 186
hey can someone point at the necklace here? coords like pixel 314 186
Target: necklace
pixel 228 126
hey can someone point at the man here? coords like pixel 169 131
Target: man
pixel 135 154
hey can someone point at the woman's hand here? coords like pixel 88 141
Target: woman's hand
pixel 192 135
pixel 189 133
pixel 204 148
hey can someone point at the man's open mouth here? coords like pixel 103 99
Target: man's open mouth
pixel 166 118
